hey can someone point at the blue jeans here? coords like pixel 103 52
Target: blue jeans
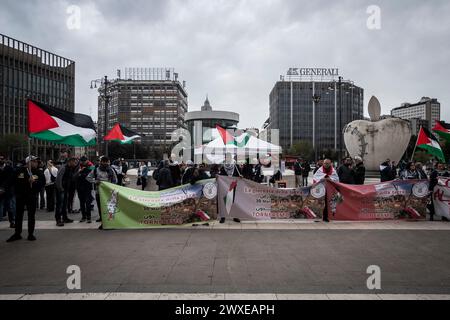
pixel 8 204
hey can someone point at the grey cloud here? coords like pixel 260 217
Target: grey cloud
pixel 235 50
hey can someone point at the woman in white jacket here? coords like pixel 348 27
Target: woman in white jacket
pixel 50 174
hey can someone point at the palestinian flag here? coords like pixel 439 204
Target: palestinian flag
pixel 60 126
pixel 442 130
pixel 202 215
pixel 227 138
pixel 229 197
pixel 121 134
pixel 427 141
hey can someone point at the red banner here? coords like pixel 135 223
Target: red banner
pixel 398 199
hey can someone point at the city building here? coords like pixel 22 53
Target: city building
pixel 150 101
pixel 314 105
pixel 28 72
pixel 417 123
pixel 426 109
pixel 202 124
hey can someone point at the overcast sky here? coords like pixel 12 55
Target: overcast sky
pixel 236 50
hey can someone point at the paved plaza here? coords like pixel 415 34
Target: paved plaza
pixel 273 260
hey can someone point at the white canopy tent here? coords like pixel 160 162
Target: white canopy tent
pixel 244 146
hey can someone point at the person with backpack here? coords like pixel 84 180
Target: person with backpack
pixel 164 180
pixel 50 173
pixel 102 173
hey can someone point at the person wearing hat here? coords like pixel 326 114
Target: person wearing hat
pixel 360 171
pixel 28 182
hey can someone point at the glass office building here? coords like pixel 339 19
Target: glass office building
pixel 314 111
pixel 151 103
pixel 30 72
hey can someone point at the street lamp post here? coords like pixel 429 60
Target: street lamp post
pixel 316 100
pixel 104 81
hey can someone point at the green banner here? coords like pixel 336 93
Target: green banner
pixel 126 208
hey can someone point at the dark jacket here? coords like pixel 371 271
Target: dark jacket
pixel 386 172
pixel 22 186
pixel 247 171
pixel 259 176
pixel 199 174
pixel 346 175
pixel 164 180
pixel 421 175
pixel 298 168
pixel 187 176
pixel 82 182
pixel 175 171
pixel 65 179
pixel 360 174
pixel 7 179
pixel 306 168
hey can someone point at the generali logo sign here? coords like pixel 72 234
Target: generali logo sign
pixel 328 72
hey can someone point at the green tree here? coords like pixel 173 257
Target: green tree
pixel 12 144
pixel 118 150
pixel 302 149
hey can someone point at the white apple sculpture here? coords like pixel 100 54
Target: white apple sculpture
pixel 377 140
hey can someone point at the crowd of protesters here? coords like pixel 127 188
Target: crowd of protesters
pixel 50 185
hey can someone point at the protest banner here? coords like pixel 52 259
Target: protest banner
pixel 124 208
pixel 248 200
pixel 441 198
pixel 398 199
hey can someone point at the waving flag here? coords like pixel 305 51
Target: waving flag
pixel 229 198
pixel 441 129
pixel 427 141
pixel 121 134
pixel 228 138
pixel 60 126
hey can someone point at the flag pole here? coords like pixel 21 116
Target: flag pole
pixel 412 156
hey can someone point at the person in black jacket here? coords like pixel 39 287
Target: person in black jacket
pixel 64 181
pixel 164 180
pixel 84 188
pixel 306 168
pixel 187 175
pixel 439 171
pixel 346 173
pixel 247 170
pixel 199 174
pixel 28 182
pixel 421 175
pixel 175 172
pixel 360 171
pixel 386 171
pixel 298 172
pixel 259 176
pixel 7 191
